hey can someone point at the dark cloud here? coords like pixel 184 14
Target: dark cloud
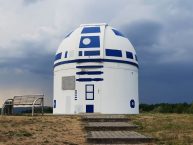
pixel 34 59
pixel 161 81
pixel 143 33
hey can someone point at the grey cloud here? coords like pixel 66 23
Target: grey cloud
pixel 143 33
pixel 162 82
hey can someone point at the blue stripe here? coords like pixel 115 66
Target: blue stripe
pixel 89 79
pixel 58 56
pixel 113 52
pixel 129 55
pixel 91 30
pixel 90 66
pixel 91 53
pixel 66 54
pixel 94 42
pixel 68 34
pixel 136 58
pixel 95 60
pixel 118 33
pixel 89 73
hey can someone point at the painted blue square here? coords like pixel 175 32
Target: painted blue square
pixel 90 30
pixel 129 55
pixel 89 42
pixel 118 33
pixel 89 108
pixel 92 53
pixel 113 52
pixel 58 56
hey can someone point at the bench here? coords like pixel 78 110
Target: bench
pixel 26 100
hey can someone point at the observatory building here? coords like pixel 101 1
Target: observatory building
pixel 95 71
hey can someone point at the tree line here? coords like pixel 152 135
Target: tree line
pixel 166 108
pixel 143 108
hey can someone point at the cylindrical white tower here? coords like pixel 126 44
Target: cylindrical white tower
pixel 95 70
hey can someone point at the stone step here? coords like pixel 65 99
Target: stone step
pixel 109 126
pixel 117 137
pixel 105 118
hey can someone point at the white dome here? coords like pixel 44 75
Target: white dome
pixel 95 42
pixel 95 70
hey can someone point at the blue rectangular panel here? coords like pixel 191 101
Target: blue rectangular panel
pixel 58 56
pixel 91 53
pixel 91 30
pixel 80 53
pixel 89 42
pixel 54 103
pixel 89 108
pixel 90 66
pixel 118 33
pixel 112 52
pixel 129 55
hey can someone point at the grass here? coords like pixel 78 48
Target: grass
pixel 46 130
pixel 169 129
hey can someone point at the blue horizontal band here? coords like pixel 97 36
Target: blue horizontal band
pixel 96 60
pixel 90 66
pixel 89 73
pixel 89 79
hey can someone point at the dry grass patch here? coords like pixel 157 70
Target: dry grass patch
pixel 170 129
pixel 53 130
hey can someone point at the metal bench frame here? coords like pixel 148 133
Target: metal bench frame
pixel 29 100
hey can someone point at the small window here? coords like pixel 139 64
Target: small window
pixel 58 56
pixel 91 53
pixel 68 83
pixel 129 55
pixel 112 52
pixel 89 89
pixel 91 30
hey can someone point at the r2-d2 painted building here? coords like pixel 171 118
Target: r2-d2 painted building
pixel 96 71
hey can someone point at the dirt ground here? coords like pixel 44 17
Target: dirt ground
pixel 168 129
pixel 40 130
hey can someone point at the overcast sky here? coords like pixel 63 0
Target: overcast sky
pixel 161 31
